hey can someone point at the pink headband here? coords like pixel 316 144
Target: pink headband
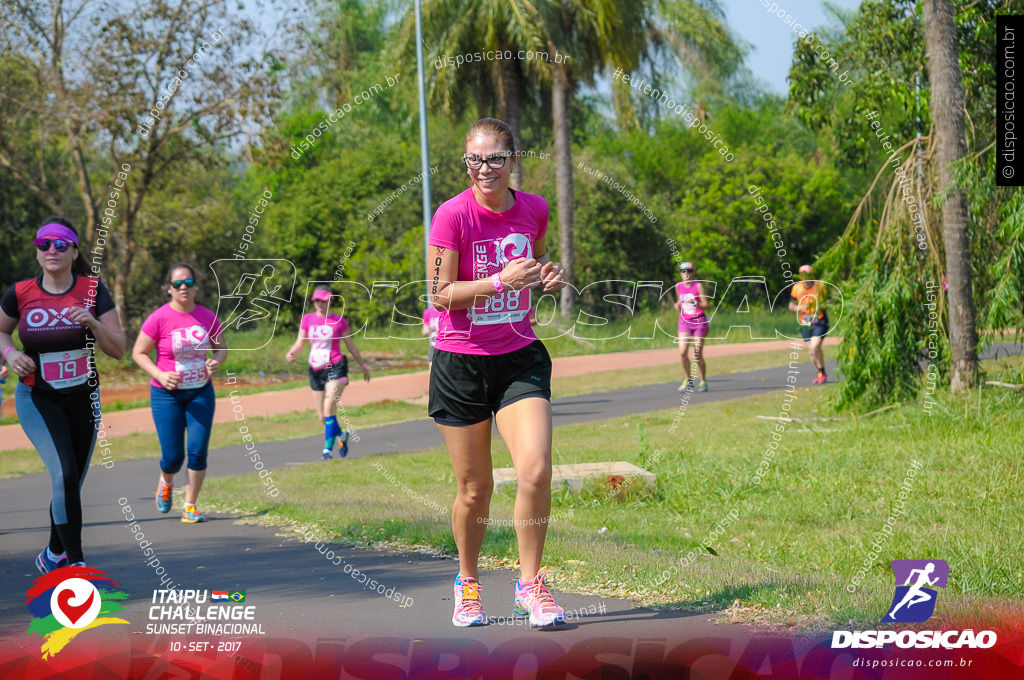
pixel 55 231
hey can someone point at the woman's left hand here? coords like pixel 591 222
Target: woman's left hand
pixel 551 276
pixel 212 365
pixel 366 373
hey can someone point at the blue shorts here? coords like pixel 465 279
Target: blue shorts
pixel 816 330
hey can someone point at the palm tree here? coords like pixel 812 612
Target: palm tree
pixel 597 34
pixel 588 35
pixel 459 27
pixel 947 109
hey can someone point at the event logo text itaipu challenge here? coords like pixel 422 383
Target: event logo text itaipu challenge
pixel 69 601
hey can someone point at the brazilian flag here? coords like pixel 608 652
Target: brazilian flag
pixel 237 596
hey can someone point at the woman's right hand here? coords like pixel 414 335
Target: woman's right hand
pixel 290 357
pixel 21 363
pixel 169 379
pixel 521 273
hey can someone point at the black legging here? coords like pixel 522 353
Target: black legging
pixel 62 427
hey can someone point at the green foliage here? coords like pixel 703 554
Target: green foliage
pixel 886 341
pixel 996 217
pixel 704 203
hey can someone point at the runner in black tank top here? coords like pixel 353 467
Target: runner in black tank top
pixel 60 316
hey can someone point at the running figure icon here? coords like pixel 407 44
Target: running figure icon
pixel 916 595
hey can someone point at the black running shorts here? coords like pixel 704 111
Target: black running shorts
pixel 469 388
pixel 319 377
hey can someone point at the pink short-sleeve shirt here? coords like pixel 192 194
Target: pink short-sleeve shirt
pixel 487 241
pixel 182 339
pixel 325 335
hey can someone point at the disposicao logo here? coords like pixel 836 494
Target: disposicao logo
pixel 915 598
pixel 70 600
pixel 914 602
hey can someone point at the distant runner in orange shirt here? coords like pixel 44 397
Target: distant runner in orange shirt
pixel 809 304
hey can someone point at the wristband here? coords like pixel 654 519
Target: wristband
pixel 363 365
pixel 496 281
pixel 7 350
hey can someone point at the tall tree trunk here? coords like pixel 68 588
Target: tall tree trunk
pixel 947 109
pixel 509 77
pixel 124 268
pixel 561 94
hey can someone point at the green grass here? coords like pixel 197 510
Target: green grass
pixel 288 426
pixel 799 537
pixel 627 335
pixel 407 353
pixel 653 375
pixel 26 461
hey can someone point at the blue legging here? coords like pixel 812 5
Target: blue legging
pixel 174 412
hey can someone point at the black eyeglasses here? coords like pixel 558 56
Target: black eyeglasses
pixel 188 283
pixel 496 162
pixel 688 271
pixel 60 244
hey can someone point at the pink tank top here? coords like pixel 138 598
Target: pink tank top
pixel 689 294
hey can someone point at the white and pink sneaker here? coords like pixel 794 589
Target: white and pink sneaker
pixel 535 599
pixel 469 608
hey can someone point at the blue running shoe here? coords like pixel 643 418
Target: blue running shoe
pixel 326 453
pixel 163 495
pixel 45 565
pixel 190 515
pixel 343 444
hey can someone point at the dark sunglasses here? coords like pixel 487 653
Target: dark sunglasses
pixel 60 244
pixel 493 162
pixel 188 283
pixel 688 271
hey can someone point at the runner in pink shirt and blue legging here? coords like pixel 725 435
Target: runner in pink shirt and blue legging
pixel 487 251
pixel 181 393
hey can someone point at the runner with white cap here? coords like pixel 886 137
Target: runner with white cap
pixel 693 325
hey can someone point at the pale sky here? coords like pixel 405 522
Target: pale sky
pixel 772 38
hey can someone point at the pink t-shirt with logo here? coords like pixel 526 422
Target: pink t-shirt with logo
pixel 325 334
pixel 182 340
pixel 486 242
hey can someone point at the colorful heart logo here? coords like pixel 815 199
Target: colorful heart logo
pixel 75 603
pixel 73 612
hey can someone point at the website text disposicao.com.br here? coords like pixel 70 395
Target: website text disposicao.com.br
pixel 496 55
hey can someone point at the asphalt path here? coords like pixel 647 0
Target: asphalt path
pixel 297 592
pixel 421 434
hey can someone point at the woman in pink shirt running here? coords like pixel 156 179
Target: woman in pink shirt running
pixel 181 394
pixel 487 251
pixel 693 325
pixel 328 367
